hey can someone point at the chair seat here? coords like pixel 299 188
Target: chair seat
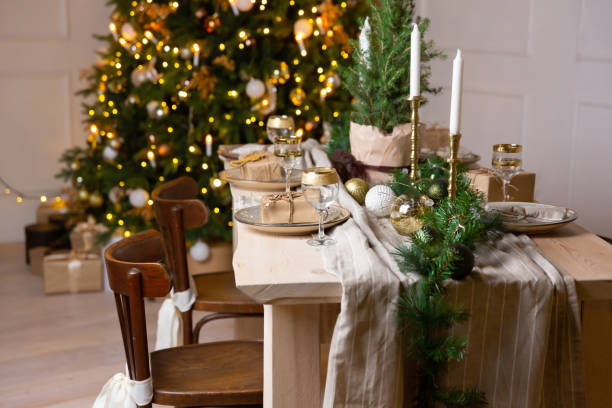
pixel 217 292
pixel 228 373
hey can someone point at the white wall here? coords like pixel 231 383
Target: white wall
pixel 537 72
pixel 44 44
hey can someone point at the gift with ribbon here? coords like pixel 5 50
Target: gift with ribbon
pixel 259 166
pixel 521 188
pixel 46 209
pixel 83 236
pixel 72 272
pixel 286 208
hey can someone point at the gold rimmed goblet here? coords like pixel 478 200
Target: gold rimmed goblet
pixel 507 162
pixel 320 189
pixel 288 152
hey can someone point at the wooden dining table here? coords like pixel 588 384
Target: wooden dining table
pixel 300 305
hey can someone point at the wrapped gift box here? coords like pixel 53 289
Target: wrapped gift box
pixel 72 272
pixel 83 235
pixel 47 209
pixel 51 235
pixel 259 166
pixel 520 189
pixel 219 260
pixel 286 208
pixel 37 255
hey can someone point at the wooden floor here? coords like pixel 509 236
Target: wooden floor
pixel 58 351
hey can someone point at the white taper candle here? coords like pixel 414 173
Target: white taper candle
pixel 457 90
pixel 415 61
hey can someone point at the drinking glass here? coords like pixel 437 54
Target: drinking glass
pixel 288 152
pixel 507 162
pixel 280 126
pixel 320 189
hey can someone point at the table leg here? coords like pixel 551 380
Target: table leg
pixel 596 340
pixel 291 356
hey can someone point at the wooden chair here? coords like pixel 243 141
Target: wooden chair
pixel 228 373
pixel 177 208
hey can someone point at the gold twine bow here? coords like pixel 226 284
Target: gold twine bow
pixel 251 157
pixel 287 197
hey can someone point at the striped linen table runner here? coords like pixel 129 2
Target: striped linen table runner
pixel 524 346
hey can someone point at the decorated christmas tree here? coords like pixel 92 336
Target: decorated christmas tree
pixel 177 79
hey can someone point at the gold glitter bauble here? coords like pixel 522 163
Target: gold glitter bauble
pixel 83 195
pixel 357 188
pixel 95 199
pixel 297 96
pixel 405 213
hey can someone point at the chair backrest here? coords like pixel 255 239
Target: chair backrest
pixel 177 208
pixel 135 272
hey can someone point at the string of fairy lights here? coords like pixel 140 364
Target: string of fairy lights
pixel 20 196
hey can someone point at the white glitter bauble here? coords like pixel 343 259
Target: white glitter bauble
pixel 379 200
pixel 139 197
pixel 186 53
pixel 244 5
pixel 255 88
pixel 115 194
pixel 128 32
pixel 109 153
pixel 303 27
pixel 199 251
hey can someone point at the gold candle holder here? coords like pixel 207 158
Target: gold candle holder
pixel 414 138
pixel 453 161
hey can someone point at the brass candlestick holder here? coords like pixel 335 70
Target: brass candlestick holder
pixel 453 161
pixel 414 138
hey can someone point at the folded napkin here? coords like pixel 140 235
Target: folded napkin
pixel 122 392
pixel 535 212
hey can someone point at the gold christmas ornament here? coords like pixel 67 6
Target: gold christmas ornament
pixel 297 96
pixel 405 213
pixel 204 81
pixel 83 195
pixel 357 188
pixel 95 199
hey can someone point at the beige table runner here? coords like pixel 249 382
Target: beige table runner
pixel 523 337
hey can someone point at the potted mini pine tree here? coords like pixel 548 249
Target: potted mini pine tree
pixel 379 81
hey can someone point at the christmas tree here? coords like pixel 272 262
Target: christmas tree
pixel 177 79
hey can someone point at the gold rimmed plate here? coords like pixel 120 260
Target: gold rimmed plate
pixel 233 176
pixel 530 225
pixel 252 217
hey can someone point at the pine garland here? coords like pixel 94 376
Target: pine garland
pixel 450 229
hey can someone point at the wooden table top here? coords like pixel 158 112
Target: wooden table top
pixel 266 266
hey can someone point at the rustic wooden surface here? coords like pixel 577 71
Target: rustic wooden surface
pixel 58 351
pixel 282 271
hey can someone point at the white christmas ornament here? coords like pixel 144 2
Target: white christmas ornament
pixel 128 32
pixel 303 28
pixel 255 88
pixel 199 251
pixel 139 197
pixel 379 200
pixel 109 153
pixel 244 5
pixel 114 195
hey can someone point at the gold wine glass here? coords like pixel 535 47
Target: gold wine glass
pixel 280 126
pixel 320 189
pixel 288 152
pixel 507 162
